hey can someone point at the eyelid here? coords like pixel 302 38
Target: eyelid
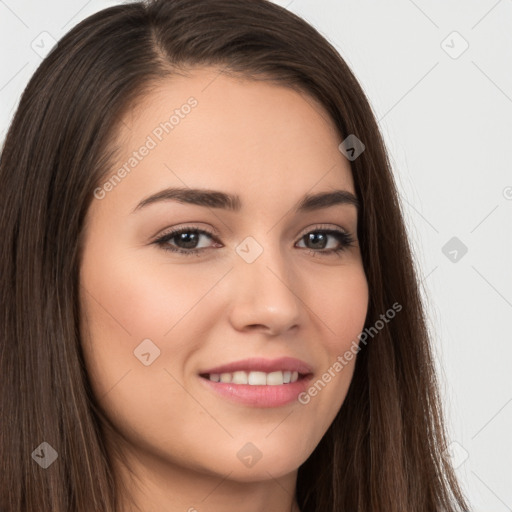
pixel 322 227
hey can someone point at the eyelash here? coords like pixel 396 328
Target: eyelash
pixel 346 240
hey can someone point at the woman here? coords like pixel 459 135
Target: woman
pixel 208 296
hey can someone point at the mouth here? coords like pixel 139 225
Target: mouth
pixel 255 378
pixel 259 382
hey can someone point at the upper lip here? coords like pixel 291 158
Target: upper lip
pixel 263 365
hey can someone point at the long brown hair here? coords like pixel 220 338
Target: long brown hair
pixel 384 450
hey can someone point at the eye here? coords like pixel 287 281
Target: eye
pixel 320 241
pixel 186 240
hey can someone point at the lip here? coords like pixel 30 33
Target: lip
pixel 262 365
pixel 260 396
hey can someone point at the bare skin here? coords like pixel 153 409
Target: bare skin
pixel 270 145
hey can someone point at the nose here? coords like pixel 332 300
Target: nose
pixel 265 295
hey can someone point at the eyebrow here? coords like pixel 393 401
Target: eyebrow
pixel 232 202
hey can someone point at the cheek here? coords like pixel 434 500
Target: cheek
pixel 340 303
pixel 125 302
pixel 128 299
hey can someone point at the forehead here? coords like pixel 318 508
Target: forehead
pixel 254 138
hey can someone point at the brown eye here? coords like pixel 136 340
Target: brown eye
pixel 318 240
pixel 184 240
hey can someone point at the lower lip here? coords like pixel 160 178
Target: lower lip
pixel 259 396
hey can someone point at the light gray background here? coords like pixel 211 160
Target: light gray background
pixel 445 115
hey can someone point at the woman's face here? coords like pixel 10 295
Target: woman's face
pixel 257 282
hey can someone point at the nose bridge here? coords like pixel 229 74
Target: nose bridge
pixel 265 285
pixel 262 259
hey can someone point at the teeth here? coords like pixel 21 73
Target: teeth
pixel 239 378
pixel 275 379
pixel 256 378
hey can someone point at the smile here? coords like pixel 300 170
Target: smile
pixel 258 382
pixel 276 378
